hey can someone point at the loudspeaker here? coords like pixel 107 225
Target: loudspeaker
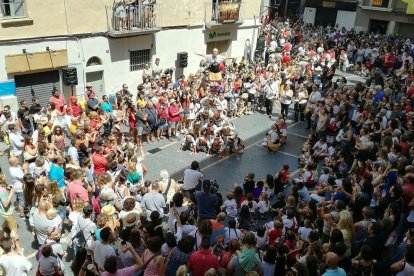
pixel 182 59
pixel 70 76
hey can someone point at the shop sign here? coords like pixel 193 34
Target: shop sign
pixel 218 35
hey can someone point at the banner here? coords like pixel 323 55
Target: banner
pixel 410 6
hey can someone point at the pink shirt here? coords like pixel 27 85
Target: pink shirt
pixel 171 110
pixel 58 102
pixel 99 163
pixel 120 272
pixel 75 190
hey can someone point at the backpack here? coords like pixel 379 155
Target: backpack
pixel 39 251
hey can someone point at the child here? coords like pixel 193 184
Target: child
pixel 264 206
pixel 283 131
pixel 51 214
pixel 48 264
pixel 250 203
pixel 230 205
pixel 275 234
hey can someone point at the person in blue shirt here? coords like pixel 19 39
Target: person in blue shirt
pixel 379 95
pixel 57 173
pixel 332 266
pixel 106 105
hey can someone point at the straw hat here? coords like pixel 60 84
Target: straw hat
pixel 108 210
pixel 131 219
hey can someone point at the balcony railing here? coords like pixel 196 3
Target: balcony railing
pixel 126 20
pixel 224 12
pixel 381 5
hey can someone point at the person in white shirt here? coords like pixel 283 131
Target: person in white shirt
pixel 73 151
pixel 192 177
pixel 16 142
pixel 12 262
pixel 16 178
pixel 231 232
pixel 230 205
pixel 305 230
pixel 102 249
pixel 314 97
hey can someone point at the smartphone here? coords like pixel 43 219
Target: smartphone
pixel 89 257
pixel 123 242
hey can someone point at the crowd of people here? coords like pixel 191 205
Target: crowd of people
pixel 349 210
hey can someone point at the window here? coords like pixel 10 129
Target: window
pixel 12 8
pixel 93 61
pixel 137 59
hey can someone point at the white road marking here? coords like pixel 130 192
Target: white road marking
pixel 295 134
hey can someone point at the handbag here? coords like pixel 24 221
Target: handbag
pixel 79 239
pixel 162 121
pixel 28 156
pixel 142 270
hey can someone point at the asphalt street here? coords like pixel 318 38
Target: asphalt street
pixel 228 171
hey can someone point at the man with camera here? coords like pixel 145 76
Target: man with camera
pixel 192 177
pixel 206 202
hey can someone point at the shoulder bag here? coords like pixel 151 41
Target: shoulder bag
pixel 142 270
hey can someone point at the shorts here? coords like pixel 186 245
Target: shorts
pixel 185 112
pixel 162 126
pixel 20 198
pixel 172 124
pixel 140 131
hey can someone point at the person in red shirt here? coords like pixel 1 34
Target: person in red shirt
pixel 100 163
pixel 218 222
pixel 173 118
pixel 76 108
pixel 76 189
pixel 203 259
pixel 58 100
pixel 286 58
pixel 275 234
pixel 408 192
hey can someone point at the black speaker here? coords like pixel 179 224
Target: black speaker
pixel 70 76
pixel 182 59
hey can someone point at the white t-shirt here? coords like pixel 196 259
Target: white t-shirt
pixel 231 234
pixel 191 178
pixel 254 205
pixel 263 206
pixel 15 265
pixel 101 252
pixel 16 177
pixel 73 152
pixel 304 233
pixel 16 143
pixel 230 207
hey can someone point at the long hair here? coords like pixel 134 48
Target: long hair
pixel 29 188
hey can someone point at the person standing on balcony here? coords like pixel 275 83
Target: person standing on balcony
pixel 120 15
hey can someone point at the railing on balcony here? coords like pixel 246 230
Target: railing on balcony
pixel 377 4
pixel 223 12
pixel 133 18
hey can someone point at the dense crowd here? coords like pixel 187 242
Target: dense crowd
pixel 350 210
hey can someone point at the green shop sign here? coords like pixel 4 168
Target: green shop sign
pixel 216 35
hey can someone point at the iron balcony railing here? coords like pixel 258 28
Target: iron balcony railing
pixel 125 18
pixel 223 12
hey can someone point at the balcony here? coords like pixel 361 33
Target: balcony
pixel 377 5
pixel 223 12
pixel 130 20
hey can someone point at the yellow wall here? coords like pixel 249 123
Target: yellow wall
pixel 49 19
pixel 89 16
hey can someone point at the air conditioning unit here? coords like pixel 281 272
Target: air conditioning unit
pixel 11 101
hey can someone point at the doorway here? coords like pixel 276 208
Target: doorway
pixel 378 26
pixel 325 16
pixel 96 79
pixel 222 46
